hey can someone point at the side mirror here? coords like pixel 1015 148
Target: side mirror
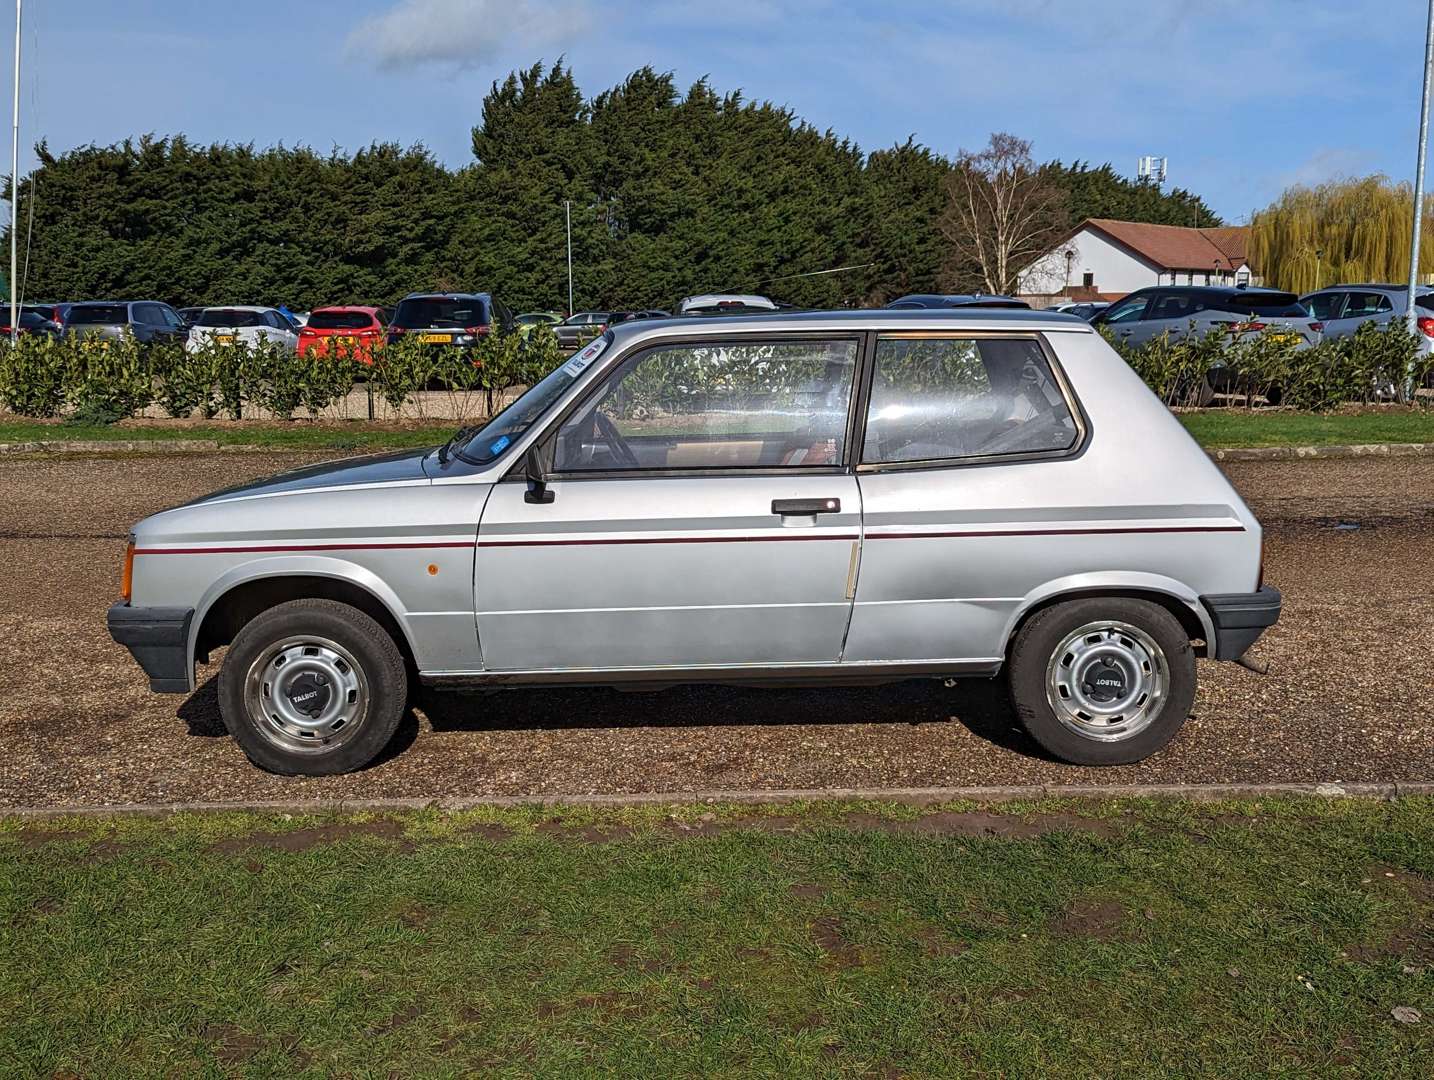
pixel 537 479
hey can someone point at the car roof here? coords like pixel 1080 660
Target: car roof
pixel 742 299
pixel 239 307
pixel 851 321
pixel 960 300
pixel 448 296
pixel 370 308
pixel 1220 290
pixel 1369 285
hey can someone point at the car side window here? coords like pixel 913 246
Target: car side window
pixel 1364 304
pixel 948 398
pixel 1325 306
pixel 1173 306
pixel 1129 310
pixel 718 405
pixel 147 314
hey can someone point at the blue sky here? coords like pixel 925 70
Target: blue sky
pixel 1243 96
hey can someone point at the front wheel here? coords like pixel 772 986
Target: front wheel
pixel 312 688
pixel 1102 681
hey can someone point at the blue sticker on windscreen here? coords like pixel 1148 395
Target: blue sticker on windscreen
pixel 499 444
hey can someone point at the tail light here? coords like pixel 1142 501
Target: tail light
pixel 476 330
pixel 127 577
pixel 1426 325
pixel 397 331
pixel 1318 327
pixel 1244 327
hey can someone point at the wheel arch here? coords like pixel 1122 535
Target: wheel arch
pixel 236 597
pixel 1175 597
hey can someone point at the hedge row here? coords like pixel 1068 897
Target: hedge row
pixel 1366 367
pixel 107 381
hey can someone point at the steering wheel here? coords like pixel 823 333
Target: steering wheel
pixel 615 443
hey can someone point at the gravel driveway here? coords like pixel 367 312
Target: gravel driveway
pixel 1351 543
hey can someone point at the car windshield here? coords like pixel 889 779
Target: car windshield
pixel 229 318
pixel 340 320
pixel 485 444
pixel 99 314
pixel 446 312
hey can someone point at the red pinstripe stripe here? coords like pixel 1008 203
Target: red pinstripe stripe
pixel 1060 532
pixel 757 539
pixel 301 547
pixel 627 541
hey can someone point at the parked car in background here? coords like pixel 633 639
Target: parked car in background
pixel 149 321
pixel 726 304
pixel 242 324
pixel 31 322
pixel 538 318
pixel 1083 309
pixel 578 329
pixel 1008 497
pixel 1198 310
pixel 50 312
pixel 645 313
pixel 349 330
pixel 450 319
pixel 957 300
pixel 1342 309
pixel 189 314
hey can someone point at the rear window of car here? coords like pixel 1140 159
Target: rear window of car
pixel 99 314
pixel 1281 304
pixel 441 312
pixel 229 318
pixel 340 320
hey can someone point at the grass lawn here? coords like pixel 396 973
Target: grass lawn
pixel 1213 429
pixel 1217 428
pixel 1074 939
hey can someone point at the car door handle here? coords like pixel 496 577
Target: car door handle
pixel 806 507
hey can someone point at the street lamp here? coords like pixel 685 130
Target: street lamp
pixel 1415 235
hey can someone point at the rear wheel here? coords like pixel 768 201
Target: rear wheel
pixel 1102 681
pixel 312 688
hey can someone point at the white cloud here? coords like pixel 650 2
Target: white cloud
pixel 463 33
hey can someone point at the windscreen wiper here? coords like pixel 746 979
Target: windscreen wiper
pixel 445 451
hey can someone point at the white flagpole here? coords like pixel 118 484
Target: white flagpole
pixel 15 189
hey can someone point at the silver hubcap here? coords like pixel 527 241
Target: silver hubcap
pixel 307 694
pixel 1107 681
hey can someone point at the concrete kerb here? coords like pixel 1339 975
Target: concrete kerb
pixel 910 796
pixel 210 446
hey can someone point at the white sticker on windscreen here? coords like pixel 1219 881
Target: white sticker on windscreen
pixel 591 352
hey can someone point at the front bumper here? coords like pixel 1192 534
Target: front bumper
pixel 158 639
pixel 1240 618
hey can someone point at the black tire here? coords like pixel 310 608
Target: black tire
pixel 374 653
pixel 1031 656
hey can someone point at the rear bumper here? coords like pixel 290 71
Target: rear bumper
pixel 158 639
pixel 1240 619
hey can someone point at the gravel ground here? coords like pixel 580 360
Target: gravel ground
pixel 1348 698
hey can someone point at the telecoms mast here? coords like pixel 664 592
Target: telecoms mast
pixel 1151 167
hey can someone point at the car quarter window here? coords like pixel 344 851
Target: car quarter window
pixel 716 405
pixel 948 398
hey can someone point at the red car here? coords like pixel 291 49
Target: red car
pixel 352 331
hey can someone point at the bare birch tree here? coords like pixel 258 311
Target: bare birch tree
pixel 1002 214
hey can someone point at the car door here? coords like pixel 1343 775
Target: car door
pixel 1326 307
pixel 966 470
pixel 701 516
pixel 1170 312
pixel 1361 306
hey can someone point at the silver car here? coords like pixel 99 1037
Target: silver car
pixel 1342 309
pixel 1181 310
pixel 848 496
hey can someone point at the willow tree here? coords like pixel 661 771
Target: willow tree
pixel 1340 231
